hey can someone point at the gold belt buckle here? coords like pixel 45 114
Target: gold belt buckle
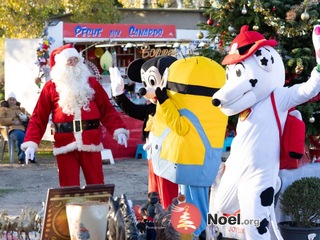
pixel 75 122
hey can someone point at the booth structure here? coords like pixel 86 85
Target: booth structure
pixel 125 42
pixel 122 43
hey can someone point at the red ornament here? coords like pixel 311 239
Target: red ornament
pixel 137 212
pixel 91 55
pixel 45 47
pixel 274 8
pixel 210 21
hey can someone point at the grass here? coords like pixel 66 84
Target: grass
pixel 4 191
pixel 44 152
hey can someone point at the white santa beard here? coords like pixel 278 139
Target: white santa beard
pixel 73 87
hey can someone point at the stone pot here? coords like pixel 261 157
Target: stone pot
pixel 290 232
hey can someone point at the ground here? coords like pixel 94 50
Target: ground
pixel 27 185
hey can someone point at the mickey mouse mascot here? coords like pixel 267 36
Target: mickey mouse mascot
pixel 149 72
pixel 249 182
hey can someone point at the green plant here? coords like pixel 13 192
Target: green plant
pixel 301 202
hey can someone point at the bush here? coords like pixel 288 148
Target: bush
pixel 301 202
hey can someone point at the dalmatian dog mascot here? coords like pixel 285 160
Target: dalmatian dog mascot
pixel 250 178
pixel 149 73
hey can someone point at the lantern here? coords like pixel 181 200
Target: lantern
pixel 106 60
pixel 98 52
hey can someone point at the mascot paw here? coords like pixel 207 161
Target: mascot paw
pixel 316 41
pixel 161 95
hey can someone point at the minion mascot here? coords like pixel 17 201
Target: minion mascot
pixel 188 131
pixel 149 72
pixel 255 72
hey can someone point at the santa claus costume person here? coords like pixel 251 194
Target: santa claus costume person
pixel 79 106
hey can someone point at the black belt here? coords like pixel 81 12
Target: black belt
pixel 77 125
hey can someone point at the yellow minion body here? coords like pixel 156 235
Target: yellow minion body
pixel 191 84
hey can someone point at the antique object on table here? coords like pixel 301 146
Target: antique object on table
pixel 55 225
pixel 162 221
pixel 122 222
pixel 87 220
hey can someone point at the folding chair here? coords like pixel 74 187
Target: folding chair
pixel 4 138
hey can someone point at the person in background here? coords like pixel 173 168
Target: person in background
pixel 79 106
pixel 16 118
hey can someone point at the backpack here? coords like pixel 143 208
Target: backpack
pixel 292 140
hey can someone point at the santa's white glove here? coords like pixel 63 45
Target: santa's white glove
pixel 23 117
pixel 30 153
pixel 316 43
pixel 117 84
pixel 122 139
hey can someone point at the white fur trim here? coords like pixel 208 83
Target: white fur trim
pixel 120 130
pixel 68 148
pixel 73 146
pixel 92 148
pixel 84 147
pixel 25 145
pixel 65 54
pixel 78 144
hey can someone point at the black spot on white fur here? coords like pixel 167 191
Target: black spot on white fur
pixel 266 197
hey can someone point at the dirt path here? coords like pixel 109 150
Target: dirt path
pixel 27 185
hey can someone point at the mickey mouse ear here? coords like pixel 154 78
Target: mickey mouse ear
pixel 134 70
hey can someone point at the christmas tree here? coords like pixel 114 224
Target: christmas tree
pixel 290 22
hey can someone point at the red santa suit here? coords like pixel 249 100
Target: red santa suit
pixel 77 136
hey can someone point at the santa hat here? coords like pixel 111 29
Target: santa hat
pixel 11 95
pixel 62 54
pixel 245 44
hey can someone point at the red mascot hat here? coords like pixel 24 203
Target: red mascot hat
pixel 62 53
pixel 245 44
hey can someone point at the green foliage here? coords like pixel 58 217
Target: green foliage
pixel 301 201
pixel 26 18
pixel 279 19
pixel 311 110
pixel 216 55
pixel 1 81
pixel 93 11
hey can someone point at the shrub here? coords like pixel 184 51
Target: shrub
pixel 301 202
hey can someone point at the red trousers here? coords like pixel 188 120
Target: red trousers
pixel 69 165
pixel 167 190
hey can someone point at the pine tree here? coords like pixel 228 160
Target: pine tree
pixel 290 22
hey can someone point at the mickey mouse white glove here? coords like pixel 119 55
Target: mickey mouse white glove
pixel 23 117
pixel 122 139
pixel 30 153
pixel 117 84
pixel 316 43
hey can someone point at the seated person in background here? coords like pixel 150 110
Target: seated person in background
pixel 16 118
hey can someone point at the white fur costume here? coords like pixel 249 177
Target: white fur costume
pixel 249 181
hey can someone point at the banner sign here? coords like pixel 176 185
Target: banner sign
pixel 91 30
